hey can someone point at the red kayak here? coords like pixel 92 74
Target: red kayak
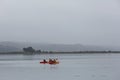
pixel 54 63
pixel 43 62
pixel 49 63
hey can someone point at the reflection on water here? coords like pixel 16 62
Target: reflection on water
pixel 71 67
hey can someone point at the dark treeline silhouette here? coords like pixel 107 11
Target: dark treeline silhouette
pixel 29 49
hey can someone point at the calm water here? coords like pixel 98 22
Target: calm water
pixel 71 67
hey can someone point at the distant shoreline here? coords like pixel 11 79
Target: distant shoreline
pixel 54 52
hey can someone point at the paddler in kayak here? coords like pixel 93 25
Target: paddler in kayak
pixel 50 61
pixel 53 61
pixel 44 61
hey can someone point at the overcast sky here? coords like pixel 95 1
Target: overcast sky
pixel 92 22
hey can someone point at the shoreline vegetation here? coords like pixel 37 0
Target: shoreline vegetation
pixel 60 52
pixel 32 51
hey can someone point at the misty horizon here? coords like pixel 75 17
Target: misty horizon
pixel 28 42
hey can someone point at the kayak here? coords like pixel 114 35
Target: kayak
pixel 49 63
pixel 54 63
pixel 43 62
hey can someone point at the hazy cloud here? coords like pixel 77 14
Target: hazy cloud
pixel 94 22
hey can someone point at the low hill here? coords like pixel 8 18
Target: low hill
pixel 8 48
pixel 18 46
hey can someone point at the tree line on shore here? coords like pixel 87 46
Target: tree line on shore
pixel 31 51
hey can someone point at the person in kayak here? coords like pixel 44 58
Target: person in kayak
pixel 44 61
pixel 50 61
pixel 54 61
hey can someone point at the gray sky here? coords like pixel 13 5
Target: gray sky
pixel 93 22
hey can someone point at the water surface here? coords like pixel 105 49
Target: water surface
pixel 71 67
